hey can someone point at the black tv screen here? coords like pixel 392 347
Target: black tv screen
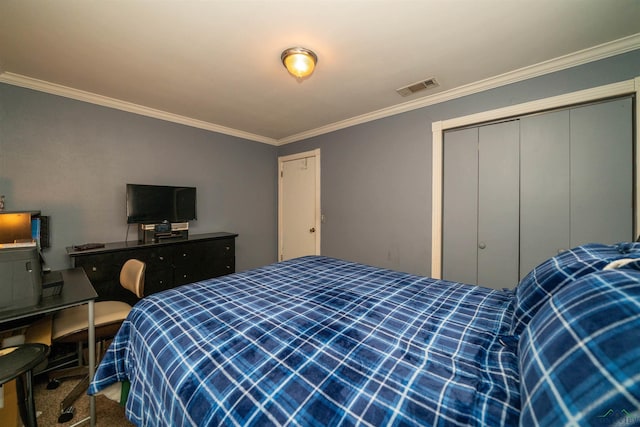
pixel 153 204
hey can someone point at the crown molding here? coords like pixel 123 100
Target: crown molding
pixel 584 56
pixel 80 95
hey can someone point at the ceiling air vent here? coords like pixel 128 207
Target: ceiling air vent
pixel 417 87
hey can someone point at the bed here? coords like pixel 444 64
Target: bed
pixel 323 341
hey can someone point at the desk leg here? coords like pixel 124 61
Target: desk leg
pixel 31 409
pixel 92 360
pixel 26 403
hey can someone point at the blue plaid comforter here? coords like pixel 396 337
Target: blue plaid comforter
pixel 318 341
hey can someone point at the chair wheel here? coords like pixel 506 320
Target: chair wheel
pixel 66 415
pixel 53 384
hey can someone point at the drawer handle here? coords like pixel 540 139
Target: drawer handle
pixel 161 258
pixel 228 248
pixel 228 267
pixel 94 268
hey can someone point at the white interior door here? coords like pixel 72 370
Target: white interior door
pixel 299 205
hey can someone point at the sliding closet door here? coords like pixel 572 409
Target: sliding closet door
pixel 539 185
pixel 576 179
pixel 460 206
pixel 498 205
pixel 602 172
pixel 545 196
pixel 480 205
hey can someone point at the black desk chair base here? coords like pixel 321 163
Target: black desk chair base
pixel 66 406
pixel 66 415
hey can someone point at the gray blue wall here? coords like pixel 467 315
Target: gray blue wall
pixel 376 177
pixel 71 160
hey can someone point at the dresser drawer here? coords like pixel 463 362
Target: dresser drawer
pixel 158 280
pixel 222 248
pixel 223 266
pixel 102 267
pixel 156 258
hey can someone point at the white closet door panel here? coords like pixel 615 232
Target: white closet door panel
pixel 460 206
pixel 602 173
pixel 498 205
pixel 544 187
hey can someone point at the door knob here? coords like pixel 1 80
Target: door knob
pixel 482 245
pixel 312 230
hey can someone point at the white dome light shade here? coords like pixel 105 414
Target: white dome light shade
pixel 300 62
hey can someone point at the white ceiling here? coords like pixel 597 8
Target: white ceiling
pixel 216 64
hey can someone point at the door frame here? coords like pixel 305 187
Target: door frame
pixel 627 87
pixel 281 160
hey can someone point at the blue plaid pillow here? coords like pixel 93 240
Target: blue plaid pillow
pixel 535 289
pixel 580 354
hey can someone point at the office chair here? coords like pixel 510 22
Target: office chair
pixel 71 326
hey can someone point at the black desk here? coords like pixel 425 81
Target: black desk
pixel 77 290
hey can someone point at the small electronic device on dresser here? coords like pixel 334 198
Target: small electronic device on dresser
pixel 154 233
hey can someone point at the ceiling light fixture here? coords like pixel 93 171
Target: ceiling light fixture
pixel 300 62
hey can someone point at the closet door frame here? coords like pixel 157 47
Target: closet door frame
pixel 627 87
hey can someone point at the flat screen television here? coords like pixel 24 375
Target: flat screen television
pixel 153 204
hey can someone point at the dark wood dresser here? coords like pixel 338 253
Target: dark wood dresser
pixel 170 263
